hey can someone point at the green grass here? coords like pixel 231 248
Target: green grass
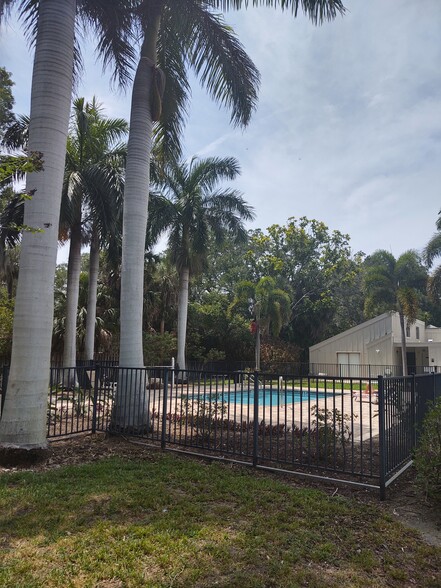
pixel 171 521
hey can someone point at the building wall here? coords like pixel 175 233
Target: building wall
pixel 378 342
pixel 355 340
pixel 416 328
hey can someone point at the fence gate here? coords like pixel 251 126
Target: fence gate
pixel 403 405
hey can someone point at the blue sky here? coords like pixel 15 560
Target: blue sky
pixel 348 127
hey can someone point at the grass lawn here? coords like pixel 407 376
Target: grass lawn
pixel 167 520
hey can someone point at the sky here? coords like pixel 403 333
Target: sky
pixel 348 125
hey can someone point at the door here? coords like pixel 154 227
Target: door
pixel 411 362
pixel 348 364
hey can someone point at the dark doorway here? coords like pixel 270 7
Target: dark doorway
pixel 411 362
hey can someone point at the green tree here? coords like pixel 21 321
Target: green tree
pixel 315 266
pixel 6 319
pixel 214 333
pixel 193 210
pixel 395 285
pixel 270 307
pixel 174 40
pixel 6 101
pixel 92 195
pixel 162 295
pixel 106 308
pixel 432 251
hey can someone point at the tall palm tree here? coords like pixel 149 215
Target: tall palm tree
pixel 176 36
pixel 195 210
pixel 51 25
pixel 173 38
pixel 395 285
pixel 270 307
pixel 92 188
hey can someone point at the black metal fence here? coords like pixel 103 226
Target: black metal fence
pixel 334 370
pixel 359 431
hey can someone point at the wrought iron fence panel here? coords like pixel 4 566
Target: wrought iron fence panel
pixel 346 428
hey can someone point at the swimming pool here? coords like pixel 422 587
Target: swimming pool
pixel 267 396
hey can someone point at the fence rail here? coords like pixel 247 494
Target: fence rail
pixel 358 431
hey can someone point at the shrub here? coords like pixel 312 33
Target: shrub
pixel 331 430
pixel 428 453
pixel 159 349
pixel 6 320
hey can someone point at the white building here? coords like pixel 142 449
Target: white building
pixel 374 348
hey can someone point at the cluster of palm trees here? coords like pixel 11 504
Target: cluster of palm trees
pixel 173 37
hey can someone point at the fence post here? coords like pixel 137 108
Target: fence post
pixel 256 419
pixel 95 397
pixel 164 407
pixel 413 423
pixel 382 437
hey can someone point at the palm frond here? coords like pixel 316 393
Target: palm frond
pixel 162 211
pixel 317 10
pixel 432 249
pixel 5 8
pixel 111 23
pixel 408 301
pixel 208 172
pixel 219 60
pixel 11 219
pixel 17 134
pixel 434 285
pixel 171 59
pixel 232 201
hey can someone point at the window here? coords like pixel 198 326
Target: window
pixel 417 332
pixel 407 330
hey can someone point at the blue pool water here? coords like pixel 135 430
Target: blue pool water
pixel 267 397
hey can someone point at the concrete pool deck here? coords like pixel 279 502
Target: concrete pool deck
pixel 361 415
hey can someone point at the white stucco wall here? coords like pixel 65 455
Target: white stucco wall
pixel 355 340
pixel 378 342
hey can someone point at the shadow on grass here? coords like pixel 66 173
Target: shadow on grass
pixel 178 522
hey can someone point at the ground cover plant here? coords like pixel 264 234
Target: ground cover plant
pixel 145 518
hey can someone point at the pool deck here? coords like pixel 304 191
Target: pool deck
pixel 360 415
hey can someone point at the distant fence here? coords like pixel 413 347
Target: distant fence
pixel 315 369
pixel 359 431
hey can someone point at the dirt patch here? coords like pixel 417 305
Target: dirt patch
pixel 405 501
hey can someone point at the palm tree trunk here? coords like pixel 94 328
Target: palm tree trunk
pixel 403 343
pixel 136 196
pixel 23 422
pixel 94 265
pixel 131 410
pixel 73 289
pixel 184 279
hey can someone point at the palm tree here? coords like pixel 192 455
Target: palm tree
pixel 394 285
pixel 431 252
pixel 175 37
pixel 269 305
pixel 92 186
pixel 52 25
pixel 195 211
